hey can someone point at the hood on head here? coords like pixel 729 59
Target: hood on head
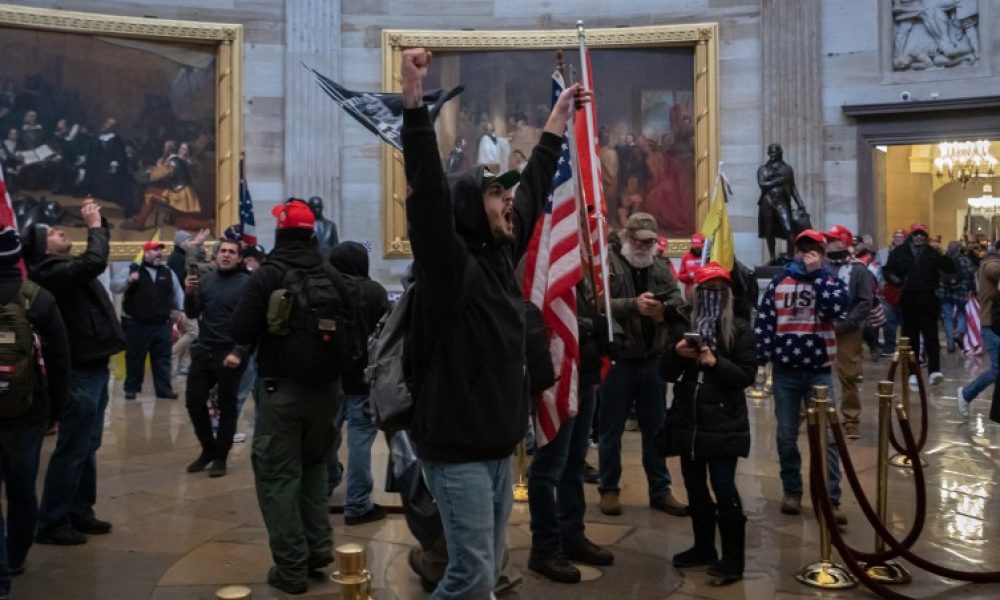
pixel 350 258
pixel 467 207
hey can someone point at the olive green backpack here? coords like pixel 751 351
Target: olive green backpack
pixel 17 354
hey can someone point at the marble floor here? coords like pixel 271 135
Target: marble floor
pixel 179 536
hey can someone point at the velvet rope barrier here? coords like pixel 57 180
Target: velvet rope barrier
pixel 818 483
pixel 924 409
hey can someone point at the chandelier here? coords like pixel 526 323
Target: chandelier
pixel 961 161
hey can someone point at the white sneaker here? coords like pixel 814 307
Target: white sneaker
pixel 936 377
pixel 962 403
pixel 913 381
pixel 239 438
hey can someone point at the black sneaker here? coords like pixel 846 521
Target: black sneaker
pixel 587 552
pixel 61 535
pixel 554 568
pixel 167 396
pixel 591 475
pixel 199 464
pixel 218 468
pixel 275 580
pixel 130 395
pixel 377 513
pixel 92 526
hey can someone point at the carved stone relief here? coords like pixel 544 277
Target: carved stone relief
pixel 935 34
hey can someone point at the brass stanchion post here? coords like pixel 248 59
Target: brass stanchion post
pixel 233 592
pixel 521 487
pixel 888 571
pixel 825 573
pixel 352 573
pixel 904 353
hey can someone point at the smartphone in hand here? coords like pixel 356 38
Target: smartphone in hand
pixel 693 340
pixel 661 297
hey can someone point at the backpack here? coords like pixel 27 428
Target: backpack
pixel 18 354
pixel 389 393
pixel 317 320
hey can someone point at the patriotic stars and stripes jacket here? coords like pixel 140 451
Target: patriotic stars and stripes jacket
pixel 795 320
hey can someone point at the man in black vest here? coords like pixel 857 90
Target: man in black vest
pixel 152 293
pixel 67 510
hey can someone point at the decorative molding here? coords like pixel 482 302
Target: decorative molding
pixel 860 111
pixel 702 38
pixel 81 22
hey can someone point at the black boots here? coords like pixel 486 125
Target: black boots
pixel 732 530
pixel 703 553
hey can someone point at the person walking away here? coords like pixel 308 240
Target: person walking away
pixel 708 426
pixel 66 515
pixel 216 361
pixel 795 331
pixel 915 267
pixel 153 294
pixel 290 309
pixel 641 289
pixel 32 397
pixel 849 330
pixel 953 293
pixel 351 258
pixel 988 280
pixel 467 333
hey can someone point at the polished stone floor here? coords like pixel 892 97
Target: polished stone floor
pixel 179 536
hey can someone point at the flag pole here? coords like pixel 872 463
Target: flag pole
pixel 602 241
pixel 715 190
pixel 583 220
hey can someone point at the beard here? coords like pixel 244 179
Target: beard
pixel 639 259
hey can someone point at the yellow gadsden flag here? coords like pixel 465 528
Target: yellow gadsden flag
pixel 718 234
pixel 155 238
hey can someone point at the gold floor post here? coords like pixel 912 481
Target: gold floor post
pixel 905 354
pixel 887 571
pixel 352 573
pixel 521 487
pixel 825 573
pixel 233 592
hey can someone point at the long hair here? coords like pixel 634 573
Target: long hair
pixel 726 326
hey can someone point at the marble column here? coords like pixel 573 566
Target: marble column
pixel 792 94
pixel 312 119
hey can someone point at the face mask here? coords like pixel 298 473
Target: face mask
pixel 838 256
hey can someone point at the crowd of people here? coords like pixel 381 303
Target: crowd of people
pixel 292 325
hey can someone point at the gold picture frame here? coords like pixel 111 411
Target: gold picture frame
pixel 227 41
pixel 701 37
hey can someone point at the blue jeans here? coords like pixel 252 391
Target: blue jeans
pixel 992 344
pixel 20 450
pixel 555 481
pixel 953 316
pixel 246 385
pixel 71 481
pixel 633 380
pixel 361 432
pixel 893 319
pixel 793 390
pixel 475 501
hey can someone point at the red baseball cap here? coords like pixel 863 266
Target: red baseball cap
pixel 841 233
pixel 918 227
pixel 712 270
pixel 661 243
pixel 811 234
pixel 294 214
pixel 899 231
pixel 697 240
pixel 153 245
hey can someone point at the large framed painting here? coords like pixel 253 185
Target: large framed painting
pixel 656 92
pixel 142 115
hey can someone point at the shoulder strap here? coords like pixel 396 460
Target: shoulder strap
pixel 27 293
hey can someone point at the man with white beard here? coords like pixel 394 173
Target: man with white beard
pixel 642 288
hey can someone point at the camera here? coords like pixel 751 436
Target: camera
pixel 905 96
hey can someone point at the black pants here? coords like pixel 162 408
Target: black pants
pixel 721 472
pixel 140 339
pixel 921 312
pixel 207 372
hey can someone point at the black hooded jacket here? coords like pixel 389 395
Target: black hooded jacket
pixel 351 258
pixel 466 362
pixel 917 269
pixel 91 323
pixel 295 248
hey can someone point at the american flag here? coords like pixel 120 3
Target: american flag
pixel 247 222
pixel 552 270
pixel 973 341
pixel 7 218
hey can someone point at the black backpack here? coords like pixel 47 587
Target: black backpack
pixel 317 318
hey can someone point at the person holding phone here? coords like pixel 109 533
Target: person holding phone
pixel 796 331
pixel 642 290
pixel 710 360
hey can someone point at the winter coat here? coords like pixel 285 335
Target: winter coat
pixel 905 271
pixel 709 419
pixel 625 311
pixel 987 279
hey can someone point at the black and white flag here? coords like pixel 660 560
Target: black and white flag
pixel 378 112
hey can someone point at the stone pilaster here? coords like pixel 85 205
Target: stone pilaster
pixel 792 93
pixel 312 119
